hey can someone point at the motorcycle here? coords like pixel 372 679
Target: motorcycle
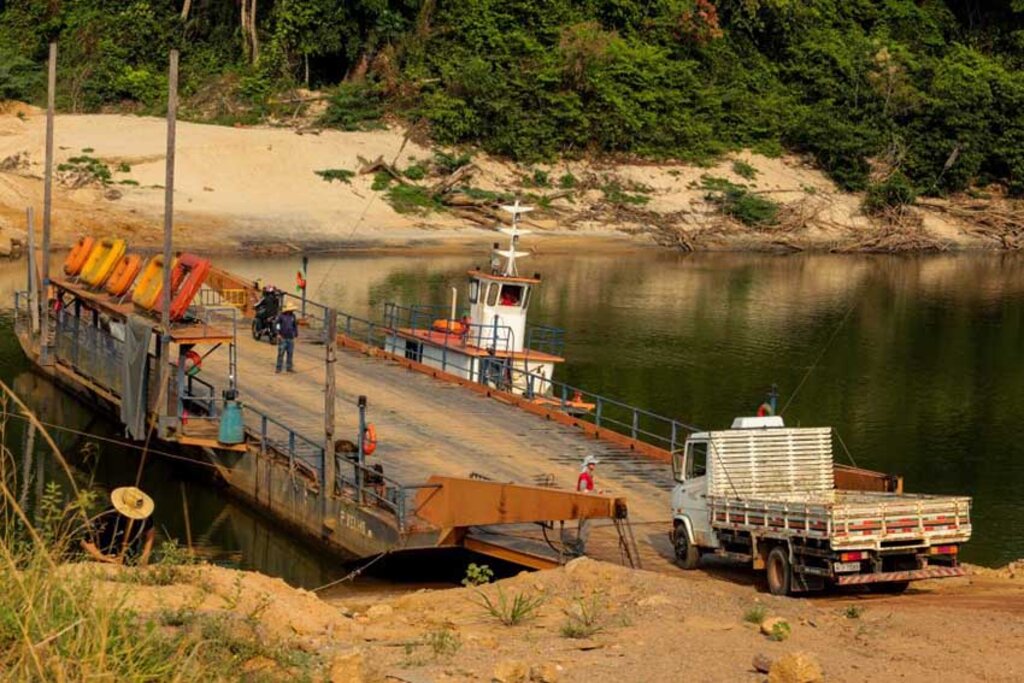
pixel 266 312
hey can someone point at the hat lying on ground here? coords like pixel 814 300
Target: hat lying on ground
pixel 132 502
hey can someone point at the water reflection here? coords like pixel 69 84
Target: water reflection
pixel 915 361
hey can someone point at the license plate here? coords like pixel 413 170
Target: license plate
pixel 847 567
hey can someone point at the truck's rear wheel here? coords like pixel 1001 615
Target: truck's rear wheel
pixel 687 554
pixel 889 587
pixel 780 574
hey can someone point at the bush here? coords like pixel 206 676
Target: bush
pixel 332 174
pixel 477 575
pixel 510 612
pixel 894 191
pixel 20 79
pixel 355 106
pixel 739 203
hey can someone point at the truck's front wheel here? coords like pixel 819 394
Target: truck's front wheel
pixel 780 574
pixel 687 554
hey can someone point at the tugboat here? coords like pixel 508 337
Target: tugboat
pixel 491 343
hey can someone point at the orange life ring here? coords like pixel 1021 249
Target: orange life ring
pixel 369 439
pixel 765 410
pixel 449 326
pixel 196 361
pixel 79 253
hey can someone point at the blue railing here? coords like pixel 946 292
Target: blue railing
pixel 546 339
pixel 422 318
pixel 606 413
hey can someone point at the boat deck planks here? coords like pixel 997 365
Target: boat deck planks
pixel 426 426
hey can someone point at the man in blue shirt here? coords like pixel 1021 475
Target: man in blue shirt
pixel 287 330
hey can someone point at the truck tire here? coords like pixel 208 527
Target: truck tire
pixel 687 554
pixel 779 571
pixel 888 587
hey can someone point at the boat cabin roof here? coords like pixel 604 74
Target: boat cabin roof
pixel 483 275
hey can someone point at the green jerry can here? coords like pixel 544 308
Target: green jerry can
pixel 232 429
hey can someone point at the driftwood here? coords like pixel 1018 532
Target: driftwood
pixel 453 179
pixel 1001 221
pixel 901 230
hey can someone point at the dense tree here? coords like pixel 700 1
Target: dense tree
pixel 927 89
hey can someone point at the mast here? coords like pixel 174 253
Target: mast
pixel 510 255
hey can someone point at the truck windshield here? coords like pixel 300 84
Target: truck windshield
pixel 697 460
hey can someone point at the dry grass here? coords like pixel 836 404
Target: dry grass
pixel 56 625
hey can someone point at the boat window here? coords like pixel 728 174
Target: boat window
pixel 492 293
pixel 474 290
pixel 526 297
pixel 696 459
pixel 511 295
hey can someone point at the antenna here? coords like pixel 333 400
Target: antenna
pixel 514 233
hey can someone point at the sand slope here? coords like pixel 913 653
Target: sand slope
pixel 257 187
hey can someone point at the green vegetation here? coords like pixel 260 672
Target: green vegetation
pixel 332 174
pixel 615 193
pixel 894 191
pixel 781 630
pixel 477 575
pixel 583 617
pixel 740 203
pixel 744 170
pixel 88 168
pixel 930 88
pixel 853 612
pixel 756 614
pixel 416 171
pixel 443 642
pixel 510 611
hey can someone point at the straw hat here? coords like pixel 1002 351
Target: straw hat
pixel 132 502
pixel 289 306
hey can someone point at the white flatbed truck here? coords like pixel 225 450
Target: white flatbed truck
pixel 765 494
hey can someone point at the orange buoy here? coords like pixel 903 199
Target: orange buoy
pixel 448 326
pixel 78 256
pixel 369 439
pixel 125 272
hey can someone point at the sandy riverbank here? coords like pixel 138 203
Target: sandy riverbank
pixel 256 189
pixel 647 626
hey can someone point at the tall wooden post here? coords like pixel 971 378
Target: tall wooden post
pixel 33 283
pixel 330 391
pixel 165 308
pixel 51 96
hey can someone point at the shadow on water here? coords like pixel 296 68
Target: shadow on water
pixel 918 369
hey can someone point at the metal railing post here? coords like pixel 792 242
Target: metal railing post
pixel 636 422
pixel 597 411
pixel 291 449
pixel 361 462
pixel 675 433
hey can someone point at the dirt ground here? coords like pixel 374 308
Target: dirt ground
pixel 256 188
pixel 646 626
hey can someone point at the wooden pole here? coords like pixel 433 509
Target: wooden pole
pixel 33 283
pixel 330 391
pixel 165 308
pixel 51 96
pixel 172 121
